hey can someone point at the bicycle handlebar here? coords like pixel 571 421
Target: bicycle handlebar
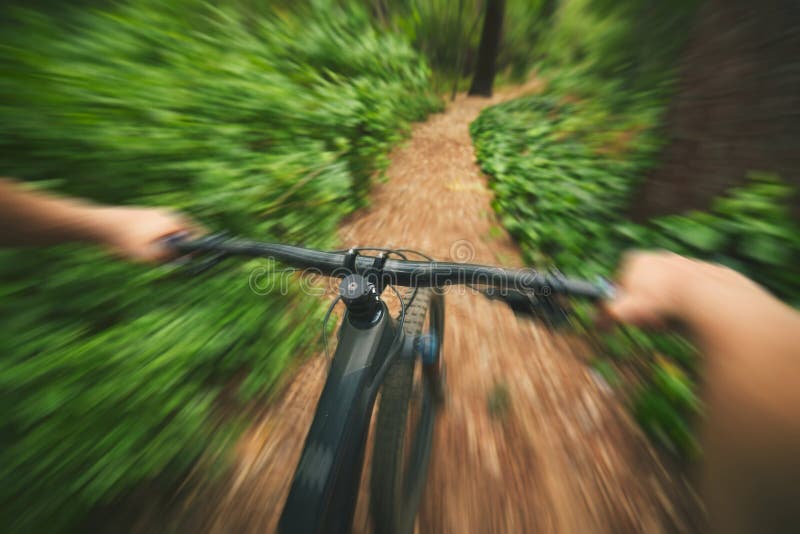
pixel 399 272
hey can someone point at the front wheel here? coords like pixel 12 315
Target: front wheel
pixel 409 397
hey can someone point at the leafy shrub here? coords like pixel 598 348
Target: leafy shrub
pixel 631 46
pixel 555 186
pixel 564 165
pixel 263 123
pixel 563 169
pixel 751 229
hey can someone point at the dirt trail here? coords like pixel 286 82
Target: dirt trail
pixel 563 457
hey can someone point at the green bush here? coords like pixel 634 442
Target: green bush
pixel 630 46
pixel 556 185
pixel 563 170
pixel 265 123
pixel 564 165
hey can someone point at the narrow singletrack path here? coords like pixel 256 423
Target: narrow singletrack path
pixel 530 440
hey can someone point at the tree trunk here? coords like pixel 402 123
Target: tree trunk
pixel 459 51
pixel 490 45
pixel 742 118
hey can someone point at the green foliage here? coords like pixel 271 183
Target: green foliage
pixel 265 123
pixel 564 165
pixel 556 185
pixel 450 39
pixel 628 45
pixel 563 170
pixel 751 229
pixel 664 422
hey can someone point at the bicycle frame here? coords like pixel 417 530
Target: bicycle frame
pixel 325 486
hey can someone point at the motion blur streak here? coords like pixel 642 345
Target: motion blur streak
pixel 136 397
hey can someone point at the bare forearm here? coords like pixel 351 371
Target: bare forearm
pixel 34 218
pixel 751 344
pixel 135 233
pixel 750 340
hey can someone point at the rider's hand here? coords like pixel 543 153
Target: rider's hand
pixel 137 233
pixel 649 288
pixel 29 217
pixel 658 287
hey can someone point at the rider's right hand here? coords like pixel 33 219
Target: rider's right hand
pixel 646 289
pixel 655 288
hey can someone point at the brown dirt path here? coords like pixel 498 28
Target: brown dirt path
pixel 563 457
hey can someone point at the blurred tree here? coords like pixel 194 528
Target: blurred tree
pixel 380 10
pixel 458 51
pixel 487 52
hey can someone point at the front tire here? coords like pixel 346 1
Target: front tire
pixel 405 422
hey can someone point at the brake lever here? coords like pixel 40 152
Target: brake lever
pixel 530 306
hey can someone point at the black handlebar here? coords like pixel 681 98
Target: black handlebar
pixel 398 272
